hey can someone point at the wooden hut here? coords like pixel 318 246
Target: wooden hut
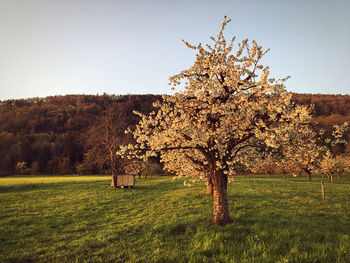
pixel 125 181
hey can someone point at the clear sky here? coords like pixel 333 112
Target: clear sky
pixel 57 47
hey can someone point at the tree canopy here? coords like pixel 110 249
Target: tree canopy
pixel 228 109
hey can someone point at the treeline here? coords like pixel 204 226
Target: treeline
pixel 46 135
pixel 328 109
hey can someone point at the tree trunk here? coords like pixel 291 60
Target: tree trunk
pixel 114 178
pixel 332 178
pixel 114 181
pixel 269 176
pixel 209 185
pixel 284 176
pixel 339 176
pixel 113 168
pixel 308 175
pixel 210 180
pixel 221 214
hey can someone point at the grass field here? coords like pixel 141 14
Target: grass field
pixel 76 219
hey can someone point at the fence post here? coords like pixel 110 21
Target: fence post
pixel 323 194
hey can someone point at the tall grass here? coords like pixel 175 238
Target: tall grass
pixel 76 219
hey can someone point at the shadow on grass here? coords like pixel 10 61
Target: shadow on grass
pixel 44 186
pixel 24 187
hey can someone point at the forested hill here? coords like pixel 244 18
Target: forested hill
pixel 62 114
pixel 328 109
pixel 44 134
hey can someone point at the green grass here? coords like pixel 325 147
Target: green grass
pixel 76 219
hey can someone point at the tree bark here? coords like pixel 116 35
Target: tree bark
pixel 114 178
pixel 114 181
pixel 284 176
pixel 339 176
pixel 210 180
pixel 209 186
pixel 308 175
pixel 221 213
pixel 113 168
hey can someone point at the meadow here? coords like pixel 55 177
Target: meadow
pixel 77 219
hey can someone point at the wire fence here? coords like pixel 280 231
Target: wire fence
pixel 336 194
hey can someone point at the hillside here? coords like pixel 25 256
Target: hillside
pixel 45 133
pixel 328 109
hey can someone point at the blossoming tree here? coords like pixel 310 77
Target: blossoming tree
pixel 227 108
pixel 331 163
pixel 307 147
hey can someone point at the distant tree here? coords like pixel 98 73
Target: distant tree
pixel 63 165
pixel 34 168
pixel 21 167
pixel 341 163
pixel 307 147
pixel 82 169
pixel 102 142
pixel 284 166
pixel 267 166
pixel 328 166
pixel 304 150
pixel 228 106
pixel 42 150
pixel 137 167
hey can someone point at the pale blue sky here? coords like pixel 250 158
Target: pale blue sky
pixel 51 47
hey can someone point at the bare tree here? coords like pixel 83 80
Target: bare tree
pixel 137 167
pixel 102 142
